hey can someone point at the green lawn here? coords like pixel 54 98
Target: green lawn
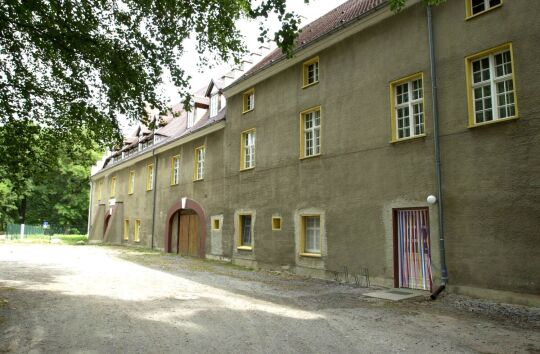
pixel 64 239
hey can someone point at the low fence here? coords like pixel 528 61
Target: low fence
pixel 20 231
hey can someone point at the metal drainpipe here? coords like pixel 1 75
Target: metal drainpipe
pixel 435 108
pixel 154 182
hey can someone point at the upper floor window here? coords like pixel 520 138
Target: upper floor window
pixel 248 101
pixel 100 190
pixel 191 117
pixel 131 182
pixel 149 177
pixel 199 163
pixel 476 7
pixel 113 187
pixel 175 170
pixel 407 107
pixel 311 72
pixel 247 159
pixel 214 101
pixel 491 86
pixel 310 122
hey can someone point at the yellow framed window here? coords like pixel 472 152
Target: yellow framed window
pixel 407 107
pixel 126 229
pixel 100 190
pixel 276 223
pixel 310 72
pixel 491 86
pixel 310 132
pixel 248 101
pixel 245 232
pixel 150 177
pixel 200 153
pixel 247 149
pixel 131 182
pixel 113 187
pixel 477 7
pixel 137 231
pixel 311 235
pixel 175 170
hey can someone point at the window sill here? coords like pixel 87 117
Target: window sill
pixel 174 184
pixel 276 229
pixel 309 85
pixel 198 180
pixel 478 125
pixel 244 248
pixel 483 12
pixel 130 193
pixel 408 139
pixel 247 111
pixel 247 169
pixel 312 255
pixel 309 157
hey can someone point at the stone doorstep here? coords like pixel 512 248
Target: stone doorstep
pixel 397 294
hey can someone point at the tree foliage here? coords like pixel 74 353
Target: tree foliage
pixel 72 63
pixel 44 175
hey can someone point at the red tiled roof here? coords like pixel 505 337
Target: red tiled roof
pixel 334 20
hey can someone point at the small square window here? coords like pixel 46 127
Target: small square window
pixel 276 223
pixel 216 224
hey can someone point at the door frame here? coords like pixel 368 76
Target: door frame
pixel 182 204
pixel 395 240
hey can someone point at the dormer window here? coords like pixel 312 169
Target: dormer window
pixel 214 105
pixel 248 101
pixel 191 117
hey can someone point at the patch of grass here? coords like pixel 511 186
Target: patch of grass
pixel 64 239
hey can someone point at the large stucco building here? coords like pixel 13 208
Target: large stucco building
pixel 323 162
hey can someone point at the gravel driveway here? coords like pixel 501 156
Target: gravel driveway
pixel 95 299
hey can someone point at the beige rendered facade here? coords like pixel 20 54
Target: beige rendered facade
pixel 324 161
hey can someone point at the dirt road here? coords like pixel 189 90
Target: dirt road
pixel 92 299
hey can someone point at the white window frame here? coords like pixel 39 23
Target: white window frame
pixel 248 149
pixel 311 135
pixel 191 117
pixel 415 107
pixel 487 7
pixel 315 231
pixel 493 83
pixel 214 100
pixel 175 170
pixel 200 155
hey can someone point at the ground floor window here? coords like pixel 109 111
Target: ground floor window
pixel 311 234
pixel 126 229
pixel 137 231
pixel 245 235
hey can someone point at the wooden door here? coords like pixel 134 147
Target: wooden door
pixel 188 235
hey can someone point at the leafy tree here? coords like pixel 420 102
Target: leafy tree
pixel 82 63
